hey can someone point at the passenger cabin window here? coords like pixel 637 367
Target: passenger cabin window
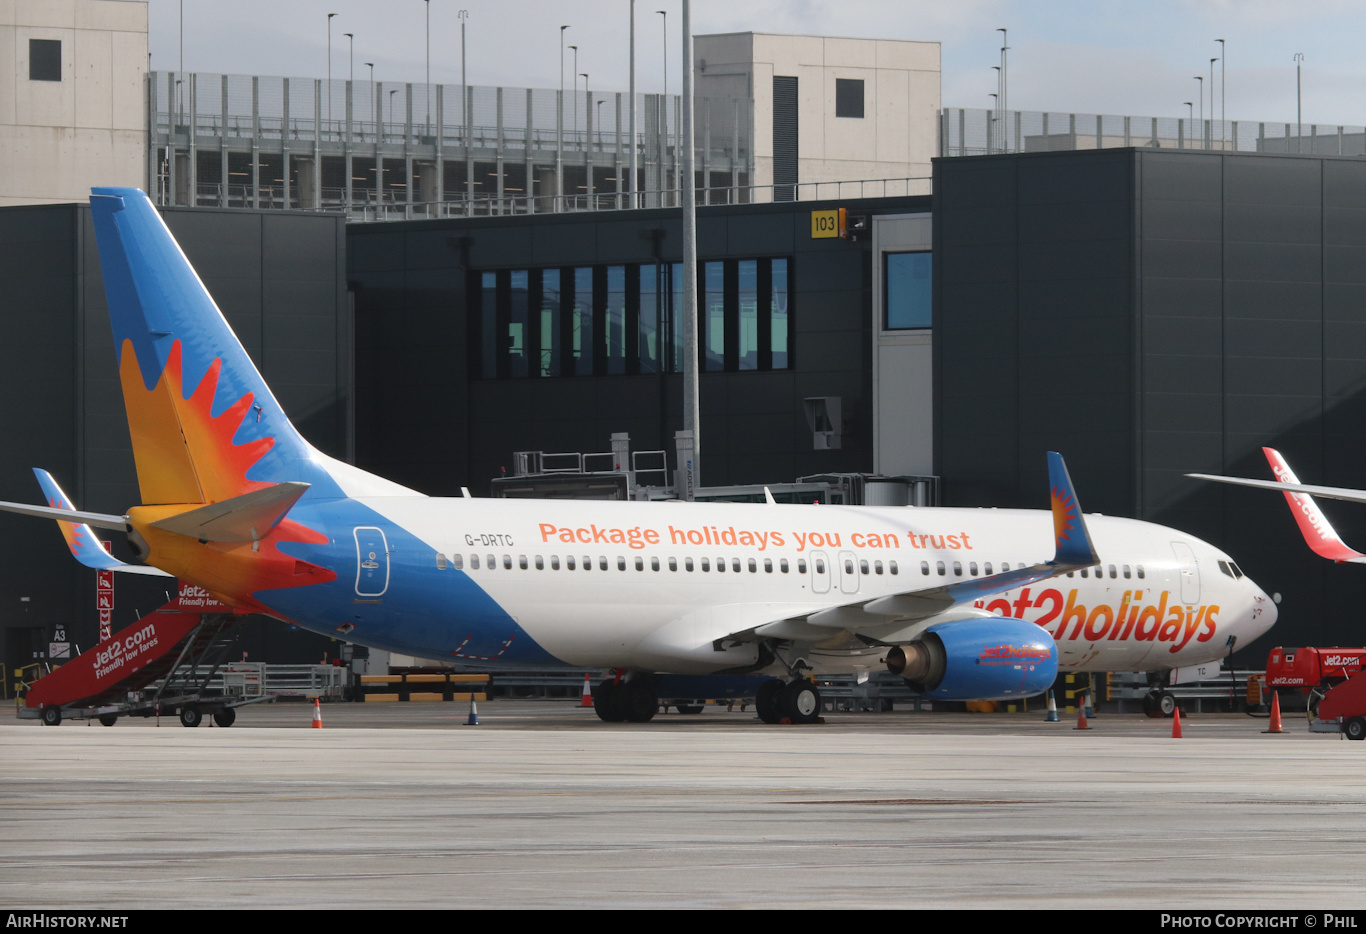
pixel 1127 573
pixel 687 564
pixel 458 561
pixel 782 565
pixel 474 562
pixel 957 569
pixel 1141 575
pixel 654 564
pixel 640 563
pixel 939 566
pixel 891 566
pixel 820 566
pixel 673 564
pixel 801 565
pixel 925 568
pixel 569 563
pixel 753 566
pixel 706 564
pixel 521 562
pixel 540 563
pixel 440 561
pixel 735 565
pixel 554 562
pixel 621 563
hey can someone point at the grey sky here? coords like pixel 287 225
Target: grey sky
pixel 1100 56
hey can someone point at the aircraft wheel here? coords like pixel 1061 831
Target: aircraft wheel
pixel 1355 728
pixel 689 708
pixel 639 703
pixel 1166 704
pixel 766 701
pixel 225 717
pixel 109 719
pixel 607 701
pixel 801 702
pixel 190 715
pixel 51 716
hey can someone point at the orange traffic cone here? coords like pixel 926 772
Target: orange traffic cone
pixel 1275 726
pixel 587 699
pixel 1082 722
pixel 1176 723
pixel 317 715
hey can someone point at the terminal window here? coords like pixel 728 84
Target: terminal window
pixel 906 290
pixel 45 59
pixel 628 319
pixel 849 97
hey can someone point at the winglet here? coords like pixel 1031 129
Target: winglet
pixel 1071 540
pixel 81 538
pixel 1318 533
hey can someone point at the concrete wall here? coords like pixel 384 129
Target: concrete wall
pixel 60 138
pixel 898 134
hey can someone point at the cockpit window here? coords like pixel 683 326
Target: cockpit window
pixel 1237 571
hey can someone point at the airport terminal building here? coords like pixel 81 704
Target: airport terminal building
pixel 1150 298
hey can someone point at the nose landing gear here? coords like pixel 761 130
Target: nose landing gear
pixel 796 701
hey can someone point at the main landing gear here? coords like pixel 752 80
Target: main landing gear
pixel 797 701
pixel 631 701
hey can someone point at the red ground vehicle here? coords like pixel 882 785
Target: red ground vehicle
pixel 1308 668
pixel 1312 671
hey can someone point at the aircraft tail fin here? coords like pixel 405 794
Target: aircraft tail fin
pixel 1318 533
pixel 204 424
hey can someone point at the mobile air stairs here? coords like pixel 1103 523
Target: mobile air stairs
pixel 179 648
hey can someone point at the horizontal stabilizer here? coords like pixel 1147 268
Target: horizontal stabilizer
pixel 245 518
pixel 85 545
pixel 98 519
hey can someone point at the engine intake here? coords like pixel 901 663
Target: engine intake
pixel 977 659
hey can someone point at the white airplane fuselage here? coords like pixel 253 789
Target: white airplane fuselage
pixel 660 586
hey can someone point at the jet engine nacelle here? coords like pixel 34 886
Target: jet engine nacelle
pixel 978 659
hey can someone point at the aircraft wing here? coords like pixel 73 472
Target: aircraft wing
pixel 80 537
pixel 1318 533
pixel 1073 550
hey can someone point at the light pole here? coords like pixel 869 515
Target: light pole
pixel 1190 113
pixel 1005 47
pixel 996 102
pixel 351 57
pixel 584 76
pixel 597 118
pixel 575 93
pixel 371 66
pixel 1211 101
pixel 427 6
pixel 1299 112
pixel 1201 97
pixel 1223 90
pixel 464 16
pixel 329 66
pixel 664 108
pixel 562 29
pixel 631 185
pixel 991 120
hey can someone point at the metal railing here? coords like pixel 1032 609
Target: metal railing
pixel 389 208
pixel 974 132
pixel 257 679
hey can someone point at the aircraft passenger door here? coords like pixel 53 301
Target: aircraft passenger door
pixel 1189 571
pixel 372 561
pixel 820 573
pixel 848 571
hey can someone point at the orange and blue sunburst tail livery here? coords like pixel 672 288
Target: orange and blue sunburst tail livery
pixel 1070 538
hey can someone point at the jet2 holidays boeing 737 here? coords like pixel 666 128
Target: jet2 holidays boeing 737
pixel 962 603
